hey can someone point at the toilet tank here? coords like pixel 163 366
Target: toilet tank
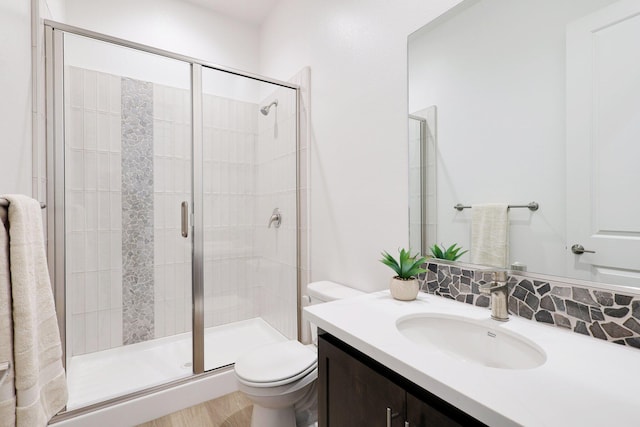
pixel 326 291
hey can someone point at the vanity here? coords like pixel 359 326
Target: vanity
pixel 377 368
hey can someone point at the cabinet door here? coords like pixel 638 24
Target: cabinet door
pixel 421 414
pixel 352 394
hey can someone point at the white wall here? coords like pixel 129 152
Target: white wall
pixel 357 54
pixel 15 102
pixel 171 25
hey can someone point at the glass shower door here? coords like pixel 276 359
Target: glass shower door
pixel 127 171
pixel 249 215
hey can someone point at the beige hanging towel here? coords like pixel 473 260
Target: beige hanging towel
pixel 38 376
pixel 490 234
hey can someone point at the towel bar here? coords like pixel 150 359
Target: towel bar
pixel 533 206
pixel 4 203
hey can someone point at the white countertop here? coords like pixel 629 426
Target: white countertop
pixel 584 382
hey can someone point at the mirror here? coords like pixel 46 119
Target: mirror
pixel 537 101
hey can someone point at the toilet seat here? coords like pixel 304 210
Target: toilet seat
pixel 276 364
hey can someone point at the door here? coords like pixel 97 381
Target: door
pixel 352 394
pixel 603 129
pixel 125 193
pixel 249 215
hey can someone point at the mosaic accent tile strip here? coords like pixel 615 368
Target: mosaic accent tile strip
pixel 601 314
pixel 137 211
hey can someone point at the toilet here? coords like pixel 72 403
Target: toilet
pixel 280 378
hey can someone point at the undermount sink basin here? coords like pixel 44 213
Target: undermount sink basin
pixel 482 342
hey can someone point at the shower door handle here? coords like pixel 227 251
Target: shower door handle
pixel 184 210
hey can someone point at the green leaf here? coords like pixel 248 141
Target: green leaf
pixel 452 253
pixel 407 266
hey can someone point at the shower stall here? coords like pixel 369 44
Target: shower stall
pixel 165 174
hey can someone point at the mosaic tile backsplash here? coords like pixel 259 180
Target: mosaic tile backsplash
pixel 602 314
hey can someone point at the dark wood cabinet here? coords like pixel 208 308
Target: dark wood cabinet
pixel 355 390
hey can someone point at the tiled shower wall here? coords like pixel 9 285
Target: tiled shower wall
pixel 172 185
pixel 249 269
pixel 275 182
pixel 599 313
pixel 94 206
pixel 229 141
pixel 99 319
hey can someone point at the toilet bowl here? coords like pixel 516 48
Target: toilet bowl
pixel 280 378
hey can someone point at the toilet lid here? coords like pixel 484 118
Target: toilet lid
pixel 276 363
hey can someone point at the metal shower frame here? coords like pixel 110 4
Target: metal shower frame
pixel 54 78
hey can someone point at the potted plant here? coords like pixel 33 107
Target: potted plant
pixel 404 286
pixel 451 253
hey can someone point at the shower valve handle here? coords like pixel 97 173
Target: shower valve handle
pixel 275 219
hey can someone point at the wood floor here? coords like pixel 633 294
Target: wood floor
pixel 232 410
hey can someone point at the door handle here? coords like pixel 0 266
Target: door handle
pixel 391 415
pixel 579 249
pixel 184 210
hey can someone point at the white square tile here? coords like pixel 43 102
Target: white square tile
pixel 116 327
pixel 104 290
pixel 159 283
pixel 158 319
pixel 116 250
pixel 91 210
pixel 104 330
pixel 103 131
pixel 90 130
pixel 76 251
pixel 170 317
pixel 170 282
pixel 159 176
pixel 159 248
pixel 179 314
pixel 78 334
pixel 104 210
pixel 115 172
pixel 75 82
pixel 103 178
pixel 91 291
pixel 115 289
pixel 75 169
pixel 115 133
pixel 115 212
pixel 91 332
pixel 115 97
pixel 103 92
pixel 104 250
pixel 77 293
pixel 90 89
pixel 90 170
pixel 91 247
pixel 75 211
pixel 75 128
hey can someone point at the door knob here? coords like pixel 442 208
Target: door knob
pixel 579 249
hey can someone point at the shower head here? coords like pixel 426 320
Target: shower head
pixel 265 110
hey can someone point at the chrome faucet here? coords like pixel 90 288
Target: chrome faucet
pixel 499 291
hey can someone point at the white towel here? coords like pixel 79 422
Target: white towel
pixel 490 234
pixel 39 378
pixel 7 391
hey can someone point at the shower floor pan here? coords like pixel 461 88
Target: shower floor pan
pixel 99 376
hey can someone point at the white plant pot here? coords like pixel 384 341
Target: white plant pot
pixel 404 290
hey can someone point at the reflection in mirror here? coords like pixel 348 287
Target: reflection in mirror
pixel 422 179
pixel 537 100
